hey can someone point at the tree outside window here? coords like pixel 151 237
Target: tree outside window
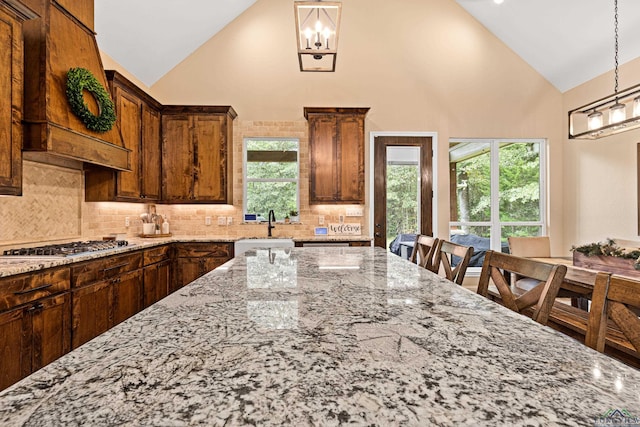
pixel 271 175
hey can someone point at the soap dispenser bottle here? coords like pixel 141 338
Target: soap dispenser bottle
pixel 165 226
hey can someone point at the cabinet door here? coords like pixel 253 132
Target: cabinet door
pixel 322 151
pixel 210 154
pixel 188 270
pixel 14 347
pixel 11 54
pixel 129 112
pixel 127 296
pixel 177 159
pixel 350 155
pixel 151 158
pixel 90 312
pixel 51 322
pixel 157 279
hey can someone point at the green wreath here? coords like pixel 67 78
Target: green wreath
pixel 79 80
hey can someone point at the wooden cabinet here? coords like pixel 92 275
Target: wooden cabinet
pixel 196 259
pixel 12 15
pixel 157 274
pixel 35 322
pixel 197 161
pixel 336 150
pixel 138 118
pixel 104 293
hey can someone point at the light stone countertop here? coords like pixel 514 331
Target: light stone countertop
pixel 11 266
pixel 324 336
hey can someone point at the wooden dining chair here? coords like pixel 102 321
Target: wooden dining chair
pixel 613 316
pixel 453 259
pixel 498 267
pixel 530 247
pixel 424 250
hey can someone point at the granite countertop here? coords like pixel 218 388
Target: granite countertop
pixel 324 336
pixel 11 266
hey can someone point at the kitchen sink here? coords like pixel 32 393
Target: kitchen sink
pixel 243 245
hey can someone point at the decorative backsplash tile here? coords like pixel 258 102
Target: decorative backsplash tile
pixel 49 209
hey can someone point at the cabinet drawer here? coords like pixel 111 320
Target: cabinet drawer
pixel 103 269
pixel 188 250
pixel 161 253
pixel 25 288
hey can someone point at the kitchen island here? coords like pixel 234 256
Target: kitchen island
pixel 324 336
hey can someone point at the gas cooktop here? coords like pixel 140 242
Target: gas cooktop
pixel 64 249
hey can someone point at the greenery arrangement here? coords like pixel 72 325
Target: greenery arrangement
pixel 79 80
pixel 608 248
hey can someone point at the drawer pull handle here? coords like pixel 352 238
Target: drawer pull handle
pixel 124 264
pixel 27 291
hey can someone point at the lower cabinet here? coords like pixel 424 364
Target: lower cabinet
pixel 157 274
pixel 196 259
pixel 44 315
pixel 35 322
pixel 104 293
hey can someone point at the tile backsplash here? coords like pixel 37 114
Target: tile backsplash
pixel 52 206
pixel 49 209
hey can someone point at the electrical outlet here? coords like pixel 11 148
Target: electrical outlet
pixel 354 211
pixel 207 220
pixel 127 221
pixel 229 220
pixel 222 220
pixel 320 219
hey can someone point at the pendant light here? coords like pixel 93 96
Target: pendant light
pixel 587 122
pixel 317 25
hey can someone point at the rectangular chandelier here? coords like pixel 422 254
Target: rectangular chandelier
pixel 613 114
pixel 317 25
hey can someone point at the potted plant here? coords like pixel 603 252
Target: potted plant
pixel 293 216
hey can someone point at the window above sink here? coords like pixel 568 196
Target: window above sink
pixel 271 176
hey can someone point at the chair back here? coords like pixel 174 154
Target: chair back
pixel 498 267
pixel 530 247
pixel 423 251
pixel 444 259
pixel 614 300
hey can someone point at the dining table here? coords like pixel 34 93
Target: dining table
pixel 326 336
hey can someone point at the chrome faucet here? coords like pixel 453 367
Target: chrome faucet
pixel 272 216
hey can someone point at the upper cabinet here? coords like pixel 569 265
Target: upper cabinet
pixel 336 150
pixel 12 15
pixel 138 118
pixel 197 160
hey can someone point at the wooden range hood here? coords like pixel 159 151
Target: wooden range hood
pixel 61 39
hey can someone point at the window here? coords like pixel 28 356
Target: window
pixel 271 175
pixel 497 191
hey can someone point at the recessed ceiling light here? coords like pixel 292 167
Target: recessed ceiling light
pixel 498 1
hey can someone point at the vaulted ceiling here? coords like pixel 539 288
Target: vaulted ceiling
pixel 567 41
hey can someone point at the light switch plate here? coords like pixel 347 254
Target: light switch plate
pixel 207 220
pixel 320 219
pixel 222 220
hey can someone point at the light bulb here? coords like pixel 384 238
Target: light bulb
pixel 326 33
pixel 617 113
pixel 636 107
pixel 318 26
pixel 594 120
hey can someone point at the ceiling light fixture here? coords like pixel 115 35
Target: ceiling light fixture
pixel 587 122
pixel 317 25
